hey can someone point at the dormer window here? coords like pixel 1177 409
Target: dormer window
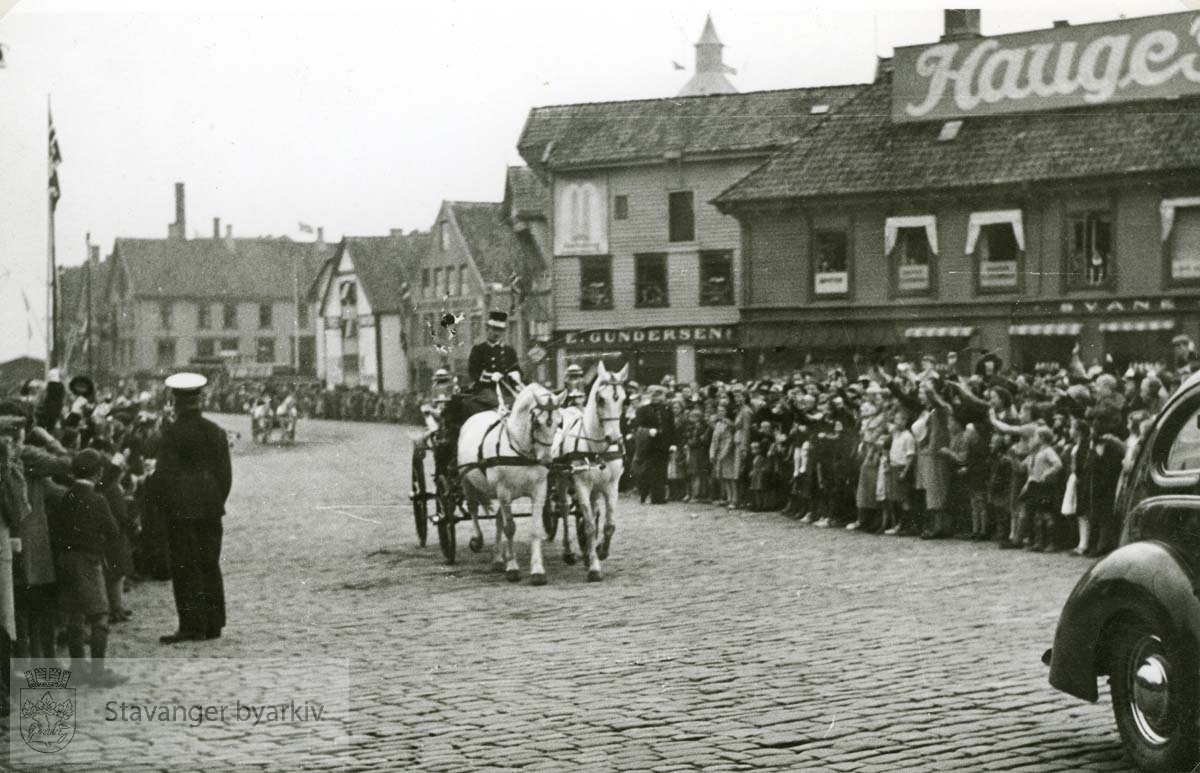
pixel 444 235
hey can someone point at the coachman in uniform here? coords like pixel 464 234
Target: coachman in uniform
pixel 493 361
pixel 191 482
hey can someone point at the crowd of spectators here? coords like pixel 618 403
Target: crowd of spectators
pixel 314 401
pixel 936 448
pixel 78 526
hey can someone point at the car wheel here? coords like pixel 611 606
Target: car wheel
pixel 1154 697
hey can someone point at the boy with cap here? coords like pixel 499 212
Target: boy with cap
pixel 86 528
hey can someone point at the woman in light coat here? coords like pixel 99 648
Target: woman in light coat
pixel 723 456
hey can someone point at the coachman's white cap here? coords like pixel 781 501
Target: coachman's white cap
pixel 186 382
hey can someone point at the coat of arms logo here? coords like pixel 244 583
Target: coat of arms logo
pixel 47 710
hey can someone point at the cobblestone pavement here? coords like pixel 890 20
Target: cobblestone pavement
pixel 717 641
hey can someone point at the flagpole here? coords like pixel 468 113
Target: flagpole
pixel 52 289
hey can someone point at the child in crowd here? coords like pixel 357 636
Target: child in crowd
pixel 1041 490
pixel 758 477
pixel 902 450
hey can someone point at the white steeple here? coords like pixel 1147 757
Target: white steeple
pixel 710 67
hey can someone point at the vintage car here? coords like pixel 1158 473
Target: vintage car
pixel 1135 615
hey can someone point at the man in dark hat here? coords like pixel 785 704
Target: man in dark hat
pixel 190 485
pixel 493 360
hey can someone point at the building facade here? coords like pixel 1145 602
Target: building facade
pixel 364 309
pixel 921 217
pixel 645 269
pixel 222 301
pixel 476 263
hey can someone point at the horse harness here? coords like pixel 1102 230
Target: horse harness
pixel 518 459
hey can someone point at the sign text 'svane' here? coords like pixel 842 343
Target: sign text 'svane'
pixel 1150 58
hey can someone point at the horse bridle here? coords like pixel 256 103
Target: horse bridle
pixel 534 441
pixel 603 419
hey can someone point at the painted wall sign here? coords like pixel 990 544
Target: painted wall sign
pixel 682 334
pixel 1107 306
pixel 1119 61
pixel 580 217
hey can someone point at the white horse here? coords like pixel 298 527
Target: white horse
pixel 590 440
pixel 503 457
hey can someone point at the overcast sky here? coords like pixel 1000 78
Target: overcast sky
pixel 363 116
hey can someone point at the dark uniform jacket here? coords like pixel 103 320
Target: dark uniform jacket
pixel 193 475
pixel 487 358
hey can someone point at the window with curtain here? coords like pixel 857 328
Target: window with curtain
pixel 1185 244
pixel 1090 250
pixel 912 257
pixel 999 256
pixel 716 278
pixel 831 263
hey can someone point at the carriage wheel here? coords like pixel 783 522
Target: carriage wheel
pixel 419 499
pixel 445 519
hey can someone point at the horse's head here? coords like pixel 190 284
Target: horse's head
pixel 608 399
pixel 545 416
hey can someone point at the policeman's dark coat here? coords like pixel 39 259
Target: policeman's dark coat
pixel 486 357
pixel 193 474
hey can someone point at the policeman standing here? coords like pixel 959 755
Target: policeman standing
pixel 190 483
pixel 493 360
pixel 573 386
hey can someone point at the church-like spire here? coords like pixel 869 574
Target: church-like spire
pixel 709 77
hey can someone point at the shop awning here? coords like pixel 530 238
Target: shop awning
pixel 939 332
pixel 1046 329
pixel 1137 325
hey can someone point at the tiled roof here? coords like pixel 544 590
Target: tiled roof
pixel 524 194
pixel 599 133
pixel 493 246
pixel 860 151
pixel 220 268
pixel 384 265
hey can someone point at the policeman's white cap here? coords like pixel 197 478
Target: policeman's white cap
pixel 186 382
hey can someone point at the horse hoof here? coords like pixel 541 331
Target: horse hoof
pixel 569 559
pixel 512 575
pixel 475 544
pixel 594 575
pixel 537 579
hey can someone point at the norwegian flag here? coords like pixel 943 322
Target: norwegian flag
pixel 55 160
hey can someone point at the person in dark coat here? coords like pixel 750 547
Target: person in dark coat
pixel 190 485
pixel 85 530
pixel 654 437
pixel 493 361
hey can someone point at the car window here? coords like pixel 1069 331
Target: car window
pixel 1185 448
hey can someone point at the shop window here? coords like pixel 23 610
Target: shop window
pixel 595 283
pixel 264 350
pixel 831 269
pixel 650 281
pixel 620 207
pixel 264 315
pixel 681 217
pixel 1185 245
pixel 716 278
pixel 912 257
pixel 164 316
pixel 350 364
pixel 1089 250
pixel 165 353
pixel 229 316
pixel 650 366
pixel 203 316
pixel 206 347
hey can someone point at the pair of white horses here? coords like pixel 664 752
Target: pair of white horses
pixel 504 457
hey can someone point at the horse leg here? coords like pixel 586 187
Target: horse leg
pixel 610 518
pixel 583 496
pixel 537 534
pixel 512 571
pixel 499 554
pixel 476 542
pixel 563 493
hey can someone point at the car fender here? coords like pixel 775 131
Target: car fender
pixel 1144 578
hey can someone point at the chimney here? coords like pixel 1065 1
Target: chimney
pixel 396 233
pixel 961 24
pixel 320 234
pixel 216 228
pixel 1060 23
pixel 178 229
pixel 94 254
pixel 229 243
